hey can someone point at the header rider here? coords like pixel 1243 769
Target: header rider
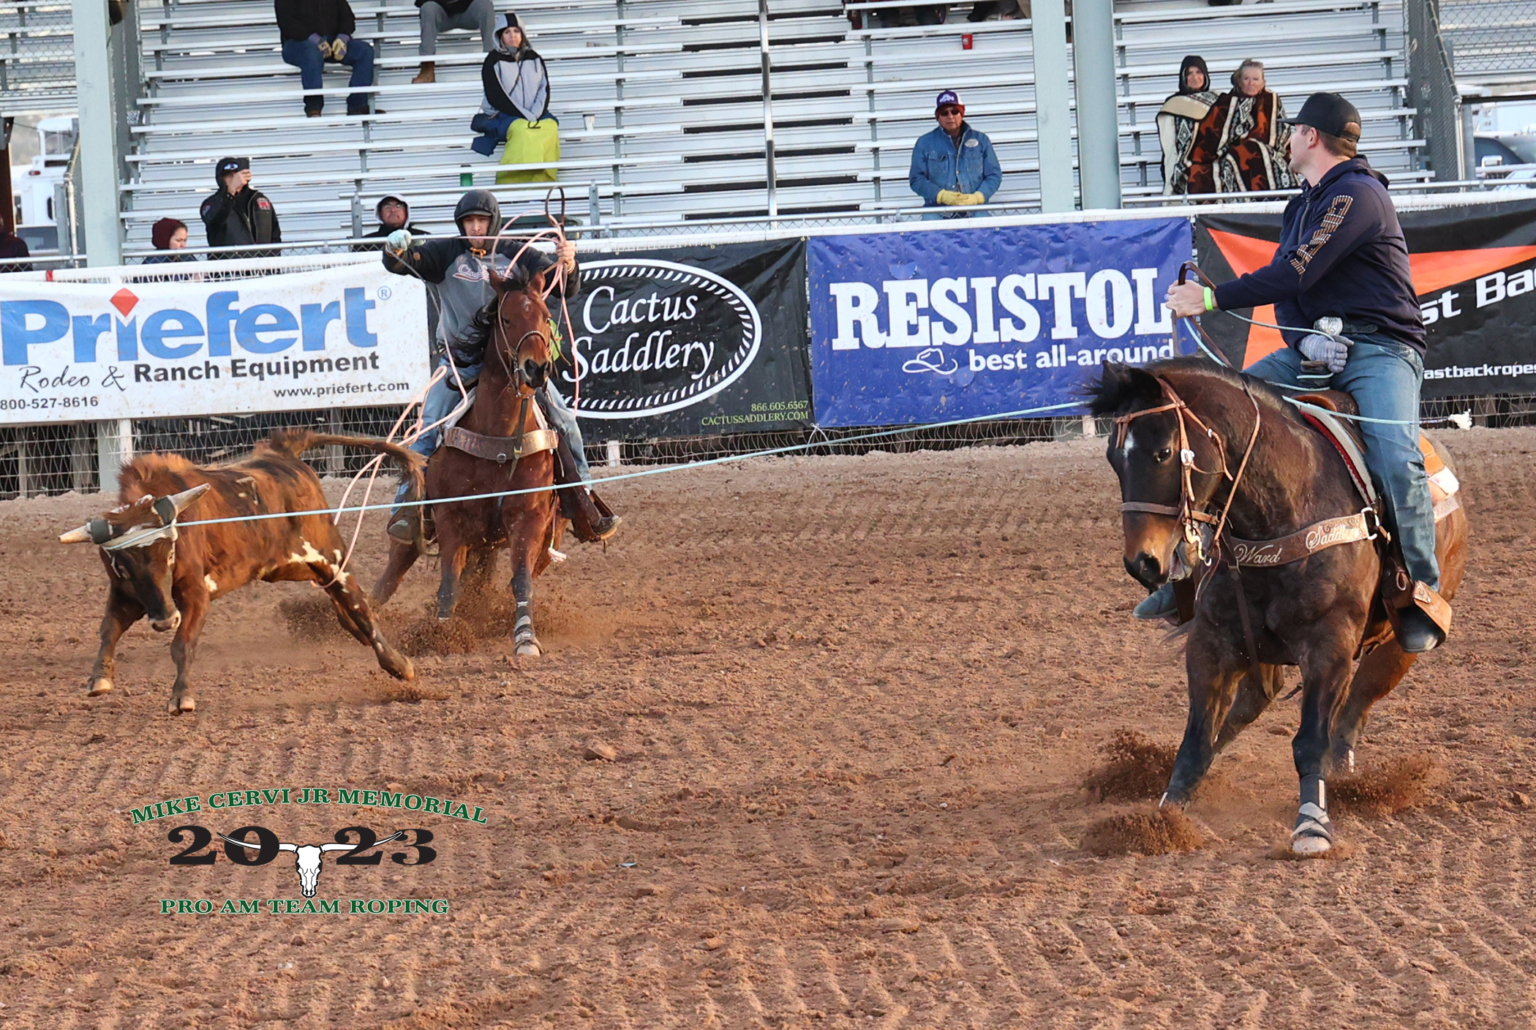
pixel 1342 255
pixel 456 267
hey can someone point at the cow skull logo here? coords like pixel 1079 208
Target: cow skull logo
pixel 307 857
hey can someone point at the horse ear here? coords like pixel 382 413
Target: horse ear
pixel 491 276
pixel 1141 383
pixel 537 282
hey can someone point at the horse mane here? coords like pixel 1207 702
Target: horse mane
pixel 1120 385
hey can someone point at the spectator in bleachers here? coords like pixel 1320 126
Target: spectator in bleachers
pixel 317 31
pixel 1243 144
pixel 516 85
pixel 441 15
pixel 237 215
pixel 393 213
pixel 953 166
pixel 170 238
pixel 1180 116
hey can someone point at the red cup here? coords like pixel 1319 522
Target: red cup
pixel 966 40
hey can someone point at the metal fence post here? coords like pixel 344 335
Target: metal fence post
pixel 767 63
pixel 99 165
pixel 114 449
pixel 1098 120
pixel 1432 89
pixel 1053 104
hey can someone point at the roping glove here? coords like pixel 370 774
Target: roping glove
pixel 338 48
pixel 1325 350
pixel 971 198
pixel 399 240
pixel 949 197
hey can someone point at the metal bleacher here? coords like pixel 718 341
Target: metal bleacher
pixel 662 111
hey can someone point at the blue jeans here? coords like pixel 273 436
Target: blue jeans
pixel 1383 376
pixel 444 397
pixel 305 56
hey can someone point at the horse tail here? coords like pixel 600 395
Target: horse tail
pixel 294 442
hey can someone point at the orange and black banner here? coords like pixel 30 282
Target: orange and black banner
pixel 1475 273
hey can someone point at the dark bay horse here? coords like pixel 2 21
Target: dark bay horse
pixel 1195 440
pixel 506 450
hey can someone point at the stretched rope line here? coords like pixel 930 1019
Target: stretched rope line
pixel 788 449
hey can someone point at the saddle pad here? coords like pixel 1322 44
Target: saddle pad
pixel 1348 447
pixel 1443 484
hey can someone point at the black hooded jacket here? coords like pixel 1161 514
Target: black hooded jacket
pixel 245 218
pixel 1342 253
pixel 458 274
pixel 384 230
pixel 1193 61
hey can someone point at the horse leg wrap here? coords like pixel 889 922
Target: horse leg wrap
pixel 522 631
pixel 1312 818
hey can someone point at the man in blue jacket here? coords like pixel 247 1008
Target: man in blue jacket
pixel 1342 255
pixel 953 166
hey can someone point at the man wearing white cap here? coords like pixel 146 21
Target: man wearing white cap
pixel 954 166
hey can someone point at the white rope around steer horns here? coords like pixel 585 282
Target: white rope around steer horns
pixel 99 531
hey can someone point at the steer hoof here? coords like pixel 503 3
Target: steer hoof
pixel 98 687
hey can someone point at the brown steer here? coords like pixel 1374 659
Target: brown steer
pixel 171 572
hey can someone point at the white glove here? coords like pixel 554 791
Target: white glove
pixel 400 239
pixel 1324 349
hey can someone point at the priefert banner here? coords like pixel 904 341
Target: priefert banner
pixel 348 336
pixel 918 327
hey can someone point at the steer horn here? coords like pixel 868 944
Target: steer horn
pixel 96 531
pixel 184 500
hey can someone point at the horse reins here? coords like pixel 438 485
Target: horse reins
pixel 1186 510
pixel 1188 514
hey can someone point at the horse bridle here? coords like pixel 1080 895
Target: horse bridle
pixel 1191 517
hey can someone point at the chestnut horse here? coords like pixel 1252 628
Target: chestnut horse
pixel 1199 449
pixel 518 364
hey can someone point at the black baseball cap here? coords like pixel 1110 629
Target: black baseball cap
pixel 1330 113
pixel 233 164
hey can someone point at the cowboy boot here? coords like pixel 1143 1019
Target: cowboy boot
pixel 1160 604
pixel 590 517
pixel 428 73
pixel 1424 621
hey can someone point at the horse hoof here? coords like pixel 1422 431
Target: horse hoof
pixel 99 687
pixel 1310 847
pixel 529 650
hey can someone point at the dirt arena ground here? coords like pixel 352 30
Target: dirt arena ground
pixel 850 704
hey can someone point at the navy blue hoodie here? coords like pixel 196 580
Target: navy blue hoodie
pixel 1341 253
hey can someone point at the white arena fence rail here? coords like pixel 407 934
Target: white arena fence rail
pixel 59 456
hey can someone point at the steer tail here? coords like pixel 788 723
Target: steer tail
pixel 294 442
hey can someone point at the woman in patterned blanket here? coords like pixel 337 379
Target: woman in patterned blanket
pixel 1180 116
pixel 1242 144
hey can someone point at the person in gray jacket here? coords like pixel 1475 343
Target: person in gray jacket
pixel 456 271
